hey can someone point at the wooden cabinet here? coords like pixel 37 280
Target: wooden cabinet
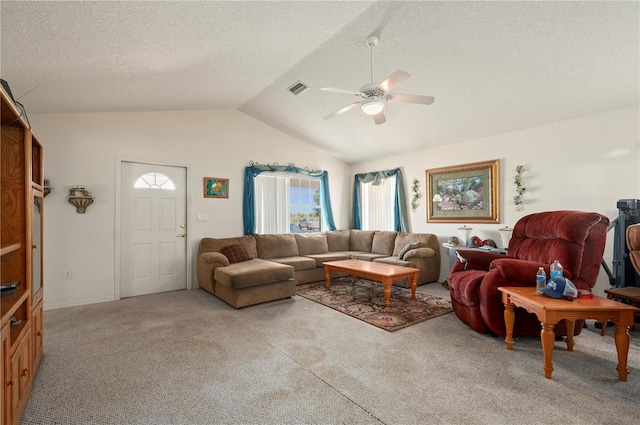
pixel 6 416
pixel 21 376
pixel 37 330
pixel 21 211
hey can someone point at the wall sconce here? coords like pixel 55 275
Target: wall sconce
pixel 80 198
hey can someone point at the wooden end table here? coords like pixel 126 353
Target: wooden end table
pixel 380 272
pixel 629 293
pixel 551 310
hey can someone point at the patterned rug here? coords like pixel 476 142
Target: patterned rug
pixel 364 300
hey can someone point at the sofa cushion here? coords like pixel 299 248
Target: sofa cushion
pixel 383 242
pixel 315 243
pixel 276 246
pixel 235 253
pixel 366 256
pixel 338 240
pixel 298 263
pixel 216 245
pixel 361 240
pixel 407 248
pixel 252 273
pixel 320 259
pixel 394 261
pixel 427 240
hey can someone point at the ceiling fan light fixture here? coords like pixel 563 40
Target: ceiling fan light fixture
pixel 372 107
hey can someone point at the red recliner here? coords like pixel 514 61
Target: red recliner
pixel 575 238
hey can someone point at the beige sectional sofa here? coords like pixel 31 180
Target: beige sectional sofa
pixel 273 264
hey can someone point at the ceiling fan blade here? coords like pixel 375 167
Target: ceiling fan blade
pixel 411 98
pixel 331 89
pixel 340 111
pixel 380 118
pixel 394 79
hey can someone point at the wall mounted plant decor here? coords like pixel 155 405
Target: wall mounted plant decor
pixel 415 188
pixel 520 189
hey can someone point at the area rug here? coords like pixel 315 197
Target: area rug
pixel 364 300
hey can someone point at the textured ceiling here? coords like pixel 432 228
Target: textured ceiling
pixel 493 67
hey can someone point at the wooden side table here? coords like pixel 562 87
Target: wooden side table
pixel 630 293
pixel 551 310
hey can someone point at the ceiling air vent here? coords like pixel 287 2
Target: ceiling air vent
pixel 298 88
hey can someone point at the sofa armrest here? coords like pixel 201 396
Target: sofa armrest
pixel 214 258
pixel 208 262
pixel 520 271
pixel 425 259
pixel 419 253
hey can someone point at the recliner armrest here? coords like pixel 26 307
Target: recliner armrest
pixel 521 271
pixel 476 260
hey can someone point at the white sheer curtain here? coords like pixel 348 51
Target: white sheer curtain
pixel 377 204
pixel 272 204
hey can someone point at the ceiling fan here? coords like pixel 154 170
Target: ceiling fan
pixel 376 95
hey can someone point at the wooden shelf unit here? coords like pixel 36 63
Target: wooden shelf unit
pixel 21 210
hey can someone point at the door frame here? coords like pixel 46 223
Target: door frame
pixel 118 208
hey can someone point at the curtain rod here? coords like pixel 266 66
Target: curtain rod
pixel 275 164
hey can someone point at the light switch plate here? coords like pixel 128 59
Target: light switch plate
pixel 203 217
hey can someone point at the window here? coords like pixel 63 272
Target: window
pixel 154 181
pixel 377 204
pixel 285 204
pixel 311 200
pixel 385 200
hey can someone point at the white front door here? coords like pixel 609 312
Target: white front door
pixel 153 229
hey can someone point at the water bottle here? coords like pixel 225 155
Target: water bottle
pixel 556 269
pixel 541 279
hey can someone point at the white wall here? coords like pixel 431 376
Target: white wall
pixel 586 164
pixel 83 149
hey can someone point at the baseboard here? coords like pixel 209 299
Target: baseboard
pixel 77 303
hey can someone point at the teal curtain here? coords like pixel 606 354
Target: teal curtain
pixel 400 215
pixel 248 203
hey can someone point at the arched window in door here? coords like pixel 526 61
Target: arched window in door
pixel 154 181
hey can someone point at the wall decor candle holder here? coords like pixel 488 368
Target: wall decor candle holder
pixel 47 187
pixel 80 198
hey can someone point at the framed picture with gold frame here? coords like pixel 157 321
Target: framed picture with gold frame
pixel 467 193
pixel 215 187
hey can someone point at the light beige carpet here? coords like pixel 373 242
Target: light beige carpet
pixel 188 358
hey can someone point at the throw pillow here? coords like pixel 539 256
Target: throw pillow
pixel 235 253
pixel 408 247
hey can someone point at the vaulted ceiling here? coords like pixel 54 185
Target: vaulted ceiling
pixel 493 67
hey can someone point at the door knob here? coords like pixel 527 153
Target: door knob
pixel 181 235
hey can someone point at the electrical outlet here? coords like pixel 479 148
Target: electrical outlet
pixel 68 274
pixel 203 217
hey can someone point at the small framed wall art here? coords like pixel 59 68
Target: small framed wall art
pixel 465 193
pixel 215 187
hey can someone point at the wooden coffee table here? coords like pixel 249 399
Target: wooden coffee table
pixel 380 272
pixel 550 311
